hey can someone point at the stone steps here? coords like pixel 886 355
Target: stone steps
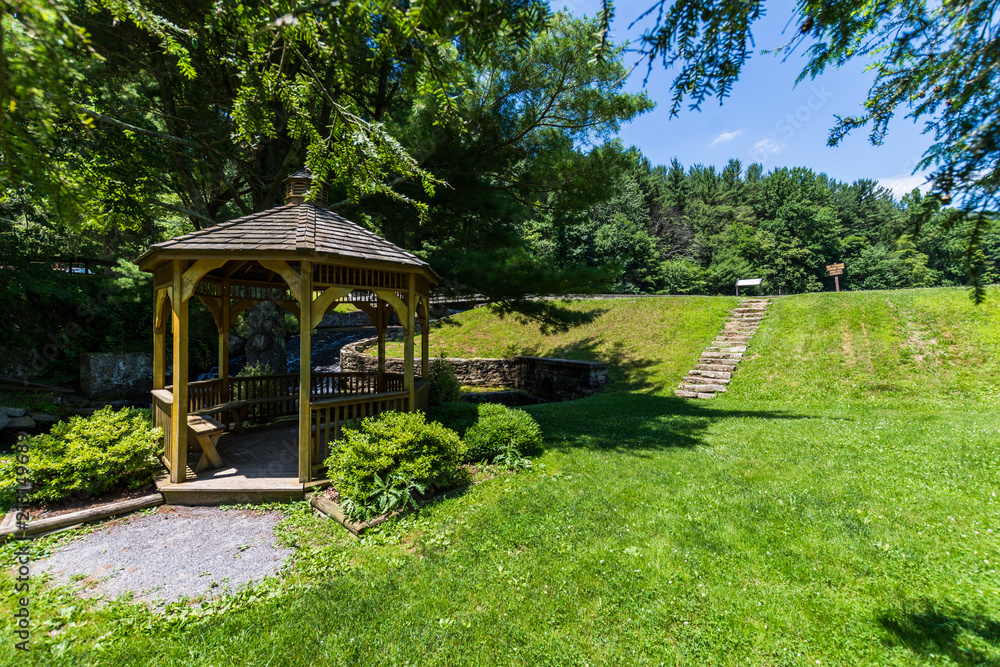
pixel 717 363
pixel 720 368
pixel 715 375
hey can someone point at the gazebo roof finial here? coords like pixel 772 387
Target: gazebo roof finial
pixel 298 184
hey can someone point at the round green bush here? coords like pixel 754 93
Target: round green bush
pixel 87 456
pixel 456 415
pixel 501 429
pixel 443 386
pixel 394 445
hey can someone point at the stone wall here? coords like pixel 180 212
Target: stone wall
pixel 560 379
pixel 354 318
pixel 108 374
pixel 551 379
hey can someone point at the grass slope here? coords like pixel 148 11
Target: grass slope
pixel 648 343
pixel 837 507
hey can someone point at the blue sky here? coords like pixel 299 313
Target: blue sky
pixel 767 118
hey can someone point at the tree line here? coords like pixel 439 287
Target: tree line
pixel 696 230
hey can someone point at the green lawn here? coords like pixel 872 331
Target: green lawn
pixel 837 507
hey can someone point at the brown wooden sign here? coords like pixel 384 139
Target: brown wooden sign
pixel 836 270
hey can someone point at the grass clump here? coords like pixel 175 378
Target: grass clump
pixel 382 462
pixel 86 456
pixel 501 431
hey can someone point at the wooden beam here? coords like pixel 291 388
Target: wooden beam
pixel 408 331
pixel 195 274
pixel 368 309
pixel 305 377
pixel 225 324
pixel 160 314
pixel 160 340
pixel 425 337
pixel 291 307
pixel 384 314
pixel 393 300
pixel 85 516
pixel 178 412
pixel 323 302
pixel 291 278
pixel 236 267
pixel 162 277
pixel 213 305
pixel 239 307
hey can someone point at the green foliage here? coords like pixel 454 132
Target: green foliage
pixel 928 58
pixel 456 415
pixel 869 550
pixel 87 456
pixel 501 431
pixel 50 317
pixel 682 276
pixel 382 459
pixel 443 386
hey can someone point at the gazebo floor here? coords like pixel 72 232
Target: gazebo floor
pixel 260 465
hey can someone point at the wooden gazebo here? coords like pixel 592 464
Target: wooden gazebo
pixel 306 259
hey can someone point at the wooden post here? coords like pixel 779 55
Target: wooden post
pixel 409 326
pixel 305 371
pixel 178 412
pixel 425 339
pixel 382 320
pixel 159 339
pixel 224 326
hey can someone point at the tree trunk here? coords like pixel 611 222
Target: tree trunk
pixel 266 344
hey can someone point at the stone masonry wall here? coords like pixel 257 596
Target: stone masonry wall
pixel 552 379
pixel 108 374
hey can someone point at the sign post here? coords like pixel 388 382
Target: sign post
pixel 748 282
pixel 836 270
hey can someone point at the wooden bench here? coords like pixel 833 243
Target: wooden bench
pixel 206 431
pixel 238 410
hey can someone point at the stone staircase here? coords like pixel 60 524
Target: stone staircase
pixel 718 362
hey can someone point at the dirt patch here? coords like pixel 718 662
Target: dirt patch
pixel 847 344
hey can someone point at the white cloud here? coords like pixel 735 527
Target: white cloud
pixel 767 146
pixel 724 137
pixel 904 183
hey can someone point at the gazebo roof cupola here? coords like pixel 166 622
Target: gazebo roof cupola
pixel 298 184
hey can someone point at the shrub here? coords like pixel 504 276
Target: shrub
pixel 393 452
pixel 501 430
pixel 87 456
pixel 444 386
pixel 456 415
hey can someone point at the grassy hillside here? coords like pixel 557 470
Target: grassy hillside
pixel 837 507
pixel 649 344
pixel 933 344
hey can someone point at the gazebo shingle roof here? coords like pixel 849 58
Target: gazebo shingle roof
pixel 293 228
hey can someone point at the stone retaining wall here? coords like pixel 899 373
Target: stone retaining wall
pixel 551 379
pixel 109 374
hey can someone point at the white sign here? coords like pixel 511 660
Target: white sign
pixel 749 282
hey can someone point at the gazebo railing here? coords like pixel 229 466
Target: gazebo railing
pixel 337 399
pixel 328 417
pixel 277 395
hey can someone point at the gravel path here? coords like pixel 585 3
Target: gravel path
pixel 176 553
